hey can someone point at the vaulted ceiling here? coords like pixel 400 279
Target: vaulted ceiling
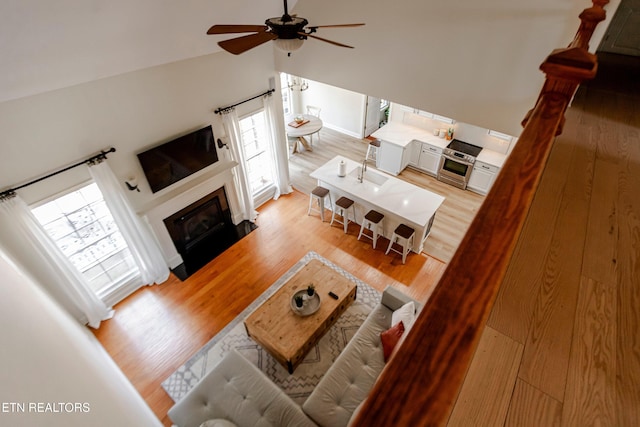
pixel 477 62
pixel 474 61
pixel 46 45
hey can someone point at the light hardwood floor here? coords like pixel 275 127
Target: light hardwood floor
pixel 562 345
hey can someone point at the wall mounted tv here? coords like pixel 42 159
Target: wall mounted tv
pixel 174 160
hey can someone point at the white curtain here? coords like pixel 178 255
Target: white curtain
pixel 232 127
pixel 279 148
pixel 141 242
pixel 30 247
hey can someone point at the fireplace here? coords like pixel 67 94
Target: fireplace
pixel 202 230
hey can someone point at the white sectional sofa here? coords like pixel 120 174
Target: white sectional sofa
pixel 237 393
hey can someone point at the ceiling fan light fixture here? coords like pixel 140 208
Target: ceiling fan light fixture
pixel 288 45
pixel 287 31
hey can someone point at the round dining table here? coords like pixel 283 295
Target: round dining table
pixel 310 125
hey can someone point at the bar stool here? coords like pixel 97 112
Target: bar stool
pixel 341 208
pixel 372 150
pixel 373 220
pixel 318 193
pixel 403 236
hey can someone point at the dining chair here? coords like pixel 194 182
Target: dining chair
pixel 314 111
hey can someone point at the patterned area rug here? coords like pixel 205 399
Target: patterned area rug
pixel 307 375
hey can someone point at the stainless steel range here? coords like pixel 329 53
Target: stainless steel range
pixel 457 162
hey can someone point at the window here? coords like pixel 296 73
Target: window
pixel 82 226
pixel 286 95
pixel 255 141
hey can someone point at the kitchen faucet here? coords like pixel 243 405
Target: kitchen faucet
pixel 363 169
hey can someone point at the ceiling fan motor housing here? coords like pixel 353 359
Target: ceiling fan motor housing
pixel 287 27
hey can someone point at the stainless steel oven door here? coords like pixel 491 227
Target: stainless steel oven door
pixel 454 171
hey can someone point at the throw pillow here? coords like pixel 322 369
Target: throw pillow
pixel 406 313
pixel 390 339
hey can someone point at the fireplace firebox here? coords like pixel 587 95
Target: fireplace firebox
pixel 202 231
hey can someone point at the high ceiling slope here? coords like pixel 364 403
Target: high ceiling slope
pixel 473 61
pixel 46 45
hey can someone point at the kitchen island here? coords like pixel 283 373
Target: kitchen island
pixel 399 201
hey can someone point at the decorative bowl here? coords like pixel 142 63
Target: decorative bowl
pixel 310 304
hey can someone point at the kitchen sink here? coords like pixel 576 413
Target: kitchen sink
pixel 370 176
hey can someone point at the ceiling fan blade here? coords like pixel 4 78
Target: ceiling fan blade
pixel 244 43
pixel 325 40
pixel 228 29
pixel 336 26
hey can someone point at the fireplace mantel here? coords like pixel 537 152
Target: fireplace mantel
pixel 176 199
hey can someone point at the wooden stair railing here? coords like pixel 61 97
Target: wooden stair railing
pixel 420 384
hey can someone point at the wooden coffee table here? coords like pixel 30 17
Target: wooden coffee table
pixel 287 336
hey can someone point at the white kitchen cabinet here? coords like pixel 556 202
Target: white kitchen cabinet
pixel 397 112
pixel 392 158
pixel 430 159
pixel 414 155
pixel 400 146
pixel 482 177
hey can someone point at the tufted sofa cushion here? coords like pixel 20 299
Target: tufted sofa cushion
pixel 355 371
pixel 237 391
pixel 352 375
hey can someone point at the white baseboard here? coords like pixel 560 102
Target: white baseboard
pixel 344 131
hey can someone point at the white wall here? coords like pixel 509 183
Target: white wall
pixel 48 46
pixel 130 112
pixel 477 62
pixel 342 110
pixel 48 358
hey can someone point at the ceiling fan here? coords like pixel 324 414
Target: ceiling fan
pixel 288 31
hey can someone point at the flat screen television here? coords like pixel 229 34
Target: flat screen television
pixel 174 160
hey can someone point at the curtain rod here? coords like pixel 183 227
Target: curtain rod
pixel 223 109
pixel 102 155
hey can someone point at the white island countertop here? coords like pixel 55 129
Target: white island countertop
pixel 391 195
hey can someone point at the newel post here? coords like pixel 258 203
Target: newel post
pixel 566 68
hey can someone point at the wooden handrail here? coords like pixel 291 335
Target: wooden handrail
pixel 420 384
